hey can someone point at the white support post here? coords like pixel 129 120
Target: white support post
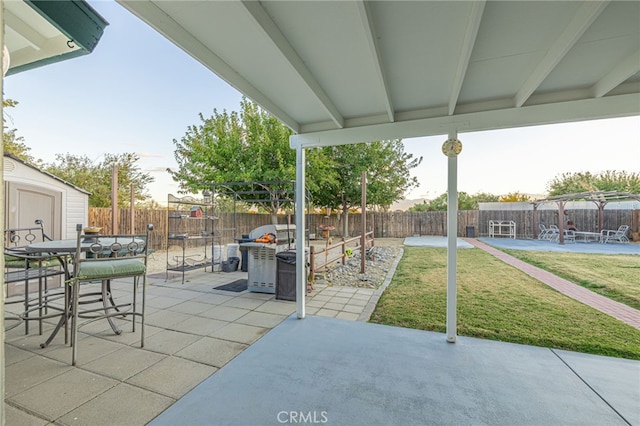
pixel 301 270
pixel 452 150
pixel 2 217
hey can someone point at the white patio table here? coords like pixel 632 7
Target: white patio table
pixel 586 237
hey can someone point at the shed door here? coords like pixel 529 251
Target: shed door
pixel 26 203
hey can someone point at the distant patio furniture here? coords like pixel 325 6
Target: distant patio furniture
pixel 104 258
pixel 569 236
pixel 586 237
pixel 554 233
pixel 502 228
pixel 617 236
pixel 544 232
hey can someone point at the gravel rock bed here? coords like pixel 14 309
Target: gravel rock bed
pixel 378 261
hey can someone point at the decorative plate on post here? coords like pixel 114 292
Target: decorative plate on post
pixel 451 147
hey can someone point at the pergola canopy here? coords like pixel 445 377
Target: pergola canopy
pixel 595 196
pixel 352 71
pixel 600 198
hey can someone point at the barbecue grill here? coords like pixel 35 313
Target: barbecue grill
pixel 262 256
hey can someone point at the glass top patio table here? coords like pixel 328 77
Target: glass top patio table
pixel 69 246
pixel 62 248
pixel 587 236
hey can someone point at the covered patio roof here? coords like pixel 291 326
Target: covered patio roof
pixel 43 32
pixel 354 71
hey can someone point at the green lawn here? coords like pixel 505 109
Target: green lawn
pixel 614 276
pixel 498 302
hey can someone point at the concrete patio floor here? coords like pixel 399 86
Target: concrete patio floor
pixel 356 373
pixel 192 330
pixel 218 357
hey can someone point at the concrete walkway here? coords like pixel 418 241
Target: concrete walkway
pixel 610 307
pixel 336 372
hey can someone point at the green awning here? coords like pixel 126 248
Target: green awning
pixel 38 33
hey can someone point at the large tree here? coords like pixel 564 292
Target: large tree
pixel 514 197
pixel 95 177
pixel 387 167
pixel 610 180
pixel 465 202
pixel 253 145
pixel 249 146
pixel 11 142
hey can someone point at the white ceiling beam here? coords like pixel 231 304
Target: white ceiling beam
pixel 561 112
pixel 471 32
pixel 26 31
pixel 625 69
pixel 273 33
pixel 376 57
pixel 169 28
pixel 587 13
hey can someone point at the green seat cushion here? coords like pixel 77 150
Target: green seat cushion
pixel 18 262
pixel 117 268
pixel 52 261
pixel 14 262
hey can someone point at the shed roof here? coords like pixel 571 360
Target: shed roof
pixel 20 160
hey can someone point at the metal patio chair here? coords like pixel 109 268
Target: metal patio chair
pixel 554 233
pixel 569 236
pixel 101 259
pixel 23 267
pixel 545 233
pixel 615 236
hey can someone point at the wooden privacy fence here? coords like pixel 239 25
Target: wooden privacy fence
pixel 384 225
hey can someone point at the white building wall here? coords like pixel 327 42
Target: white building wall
pixel 77 211
pixel 75 203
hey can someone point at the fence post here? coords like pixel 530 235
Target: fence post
pixel 312 264
pixel 342 245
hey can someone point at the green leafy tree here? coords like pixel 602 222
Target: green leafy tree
pixel 95 177
pixel 465 202
pixel 249 146
pixel 610 180
pixel 514 197
pixel 253 146
pixel 386 165
pixel 420 207
pixel 484 197
pixel 11 142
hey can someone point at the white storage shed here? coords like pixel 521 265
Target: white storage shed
pixel 33 194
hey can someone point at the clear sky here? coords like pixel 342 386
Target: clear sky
pixel 137 92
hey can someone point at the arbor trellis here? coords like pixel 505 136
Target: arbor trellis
pixel 600 198
pixel 278 194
